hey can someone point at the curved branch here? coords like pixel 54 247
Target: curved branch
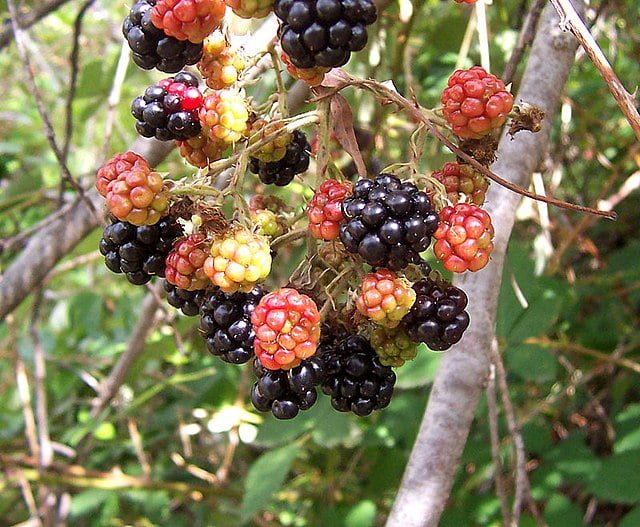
pixel 463 371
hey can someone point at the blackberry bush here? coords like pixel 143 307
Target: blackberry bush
pixel 282 172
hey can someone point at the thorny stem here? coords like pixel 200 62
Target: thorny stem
pixel 282 91
pixel 417 112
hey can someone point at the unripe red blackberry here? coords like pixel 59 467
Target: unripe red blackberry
pixel 220 65
pixel 385 298
pixel 354 377
pixel 392 346
pixel 285 393
pixel 387 222
pixel 462 181
pixel 324 210
pixel 200 151
pixel 282 172
pixel 191 20
pixel 323 32
pixel 287 326
pixel 151 47
pixel 169 110
pixel 225 324
pixel 118 164
pixel 311 76
pixel 188 302
pixel 139 252
pixel 138 196
pixel 185 263
pixel 464 239
pixel 475 103
pixel 437 317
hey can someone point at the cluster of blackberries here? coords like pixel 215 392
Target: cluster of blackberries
pixel 354 377
pixel 282 172
pixel 323 32
pixel 285 393
pixel 139 252
pixel 437 317
pixel 169 110
pixel 188 302
pixel 387 222
pixel 151 47
pixel 226 324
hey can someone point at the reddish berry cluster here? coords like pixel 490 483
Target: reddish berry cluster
pixel 118 164
pixel 464 238
pixel 287 326
pixel 462 181
pixel 475 103
pixel 324 211
pixel 191 20
pixel 385 298
pixel 185 263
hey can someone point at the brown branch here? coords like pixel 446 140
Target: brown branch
pixel 570 19
pixel 27 20
pixel 463 371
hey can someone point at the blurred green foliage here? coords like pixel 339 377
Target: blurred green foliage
pixel 577 400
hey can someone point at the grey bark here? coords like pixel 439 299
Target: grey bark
pixel 463 371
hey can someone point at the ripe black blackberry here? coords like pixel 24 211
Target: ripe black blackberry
pixel 151 47
pixel 169 110
pixel 282 172
pixel 188 302
pixel 387 222
pixel 437 317
pixel 354 377
pixel 323 32
pixel 225 324
pixel 139 252
pixel 285 393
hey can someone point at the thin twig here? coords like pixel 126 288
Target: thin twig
pixel 136 440
pixel 570 19
pixel 523 487
pixel 483 34
pixel 525 38
pixel 41 10
pixel 33 88
pixel 495 447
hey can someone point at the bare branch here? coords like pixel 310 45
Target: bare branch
pixel 571 20
pixel 463 371
pixel 27 20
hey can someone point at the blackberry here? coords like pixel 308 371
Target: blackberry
pixel 437 317
pixel 354 377
pixel 151 47
pixel 225 324
pixel 388 222
pixel 139 252
pixel 285 393
pixel 323 32
pixel 169 110
pixel 188 302
pixel 282 172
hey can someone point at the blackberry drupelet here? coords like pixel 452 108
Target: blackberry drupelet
pixel 285 393
pixel 323 32
pixel 282 172
pixel 437 317
pixel 354 377
pixel 139 252
pixel 151 47
pixel 169 110
pixel 188 302
pixel 387 222
pixel 225 324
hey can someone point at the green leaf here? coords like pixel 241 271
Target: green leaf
pixel 618 479
pixel 574 460
pixel 87 501
pixel 361 515
pixel 627 425
pixel 561 512
pixel 531 362
pixel 420 371
pixel 632 519
pixel 266 476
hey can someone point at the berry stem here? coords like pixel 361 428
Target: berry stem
pixel 282 91
pixel 288 237
pixel 419 113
